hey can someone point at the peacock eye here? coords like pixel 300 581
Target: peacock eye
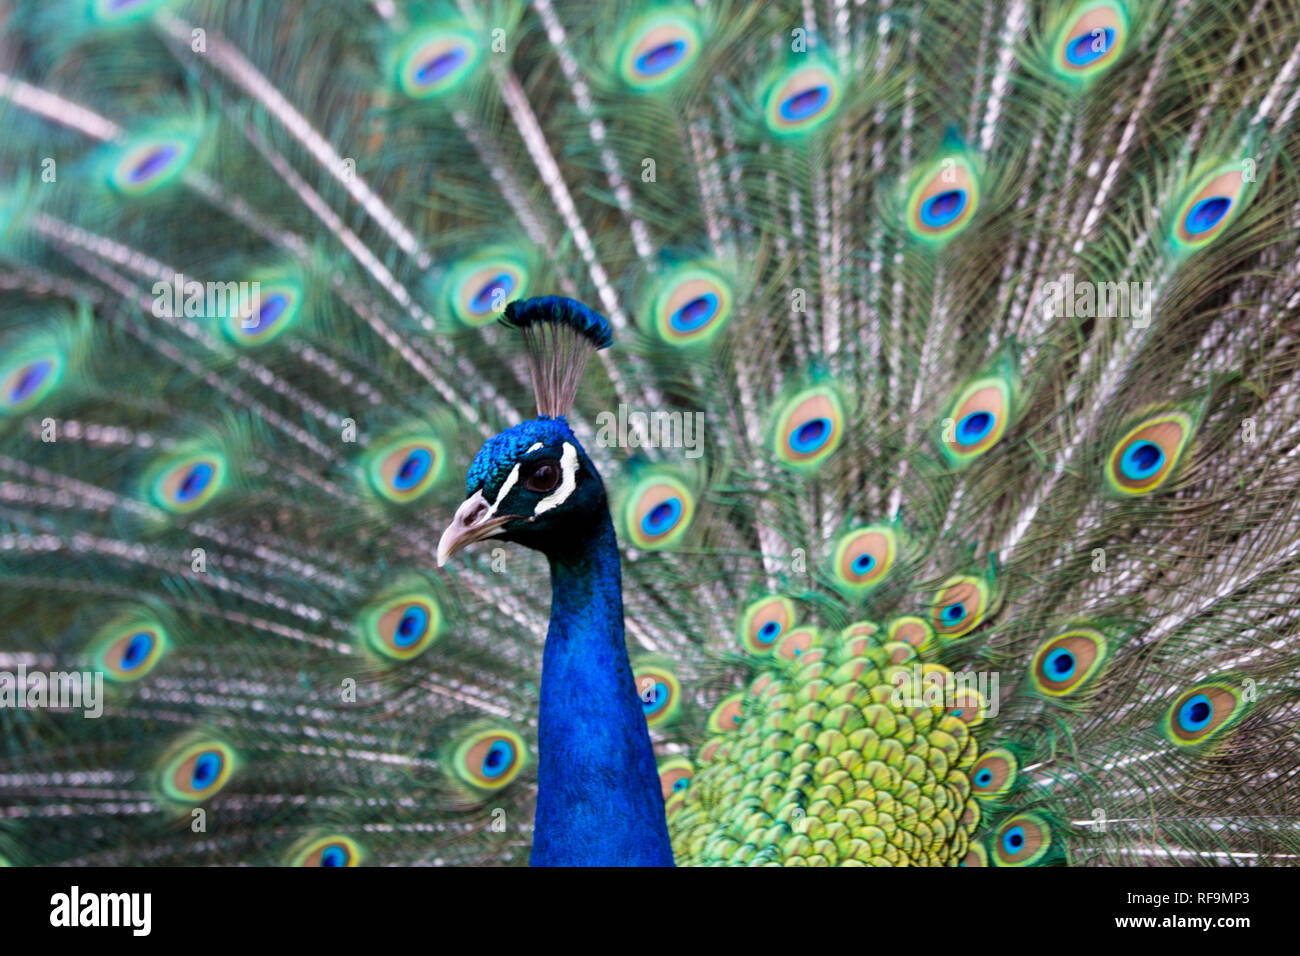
pixel 542 476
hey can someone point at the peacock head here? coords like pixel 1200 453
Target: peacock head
pixel 533 484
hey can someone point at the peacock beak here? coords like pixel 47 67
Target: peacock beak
pixel 475 520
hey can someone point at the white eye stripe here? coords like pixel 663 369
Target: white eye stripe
pixel 505 490
pixel 534 447
pixel 569 465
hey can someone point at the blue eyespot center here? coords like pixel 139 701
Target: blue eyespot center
pixel 1196 713
pixel 413 469
pixel 154 162
pixel 1090 46
pixel 137 650
pixel 439 66
pixel 811 435
pixel 802 105
pixel 681 784
pixel 661 58
pixel 662 516
pixel 333 856
pixel 1059 665
pixel 29 380
pixel 942 209
pixel 498 759
pixel 414 622
pixel 975 427
pixel 206 770
pixel 1206 214
pixel 1013 840
pixel 495 291
pixel 1142 459
pixel 200 474
pixel 954 613
pixel 768 632
pixel 656 698
pixel 984 777
pixel 695 314
pixel 863 564
pixel 270 311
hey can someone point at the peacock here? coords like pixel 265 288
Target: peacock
pixel 901 399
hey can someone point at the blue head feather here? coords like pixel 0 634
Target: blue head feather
pixel 500 452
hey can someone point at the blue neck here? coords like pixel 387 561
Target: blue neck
pixel 598 796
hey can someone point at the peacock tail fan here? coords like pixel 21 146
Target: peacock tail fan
pixel 939 364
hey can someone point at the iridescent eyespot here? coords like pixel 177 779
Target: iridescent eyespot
pixel 675 775
pixel 1022 840
pixel 332 850
pixel 659 691
pixel 913 631
pixel 959 606
pixel 402 469
pixel 978 419
pixel 802 99
pixel 764 621
pixel 268 309
pixel 863 557
pixel 491 758
pixel 727 715
pixel 993 774
pixel 966 703
pixel 401 627
pixel 1064 663
pixel 435 61
pixel 797 642
pixel 1203 712
pixel 1091 40
pixel 129 649
pixel 657 511
pixel 27 379
pixel 478 288
pixel 149 163
pixel 197 771
pixel 1145 458
pixel 944 200
pixel 809 428
pixel 124 11
pixel 185 482
pixel 659 49
pixel 691 306
pixel 1209 207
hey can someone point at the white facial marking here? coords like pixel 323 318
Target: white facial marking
pixel 505 490
pixel 534 447
pixel 569 465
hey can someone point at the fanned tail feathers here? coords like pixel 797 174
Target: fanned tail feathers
pixel 951 423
